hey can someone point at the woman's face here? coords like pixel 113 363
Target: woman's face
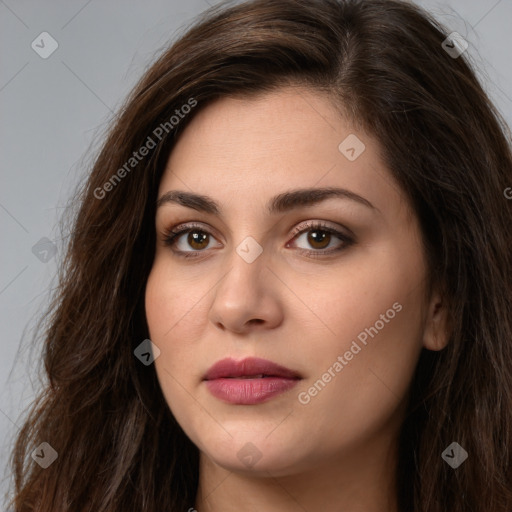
pixel 344 312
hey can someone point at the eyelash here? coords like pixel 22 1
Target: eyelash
pixel 171 235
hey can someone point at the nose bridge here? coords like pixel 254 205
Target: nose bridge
pixel 245 293
pixel 247 265
pixel 249 250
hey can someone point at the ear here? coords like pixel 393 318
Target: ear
pixel 436 328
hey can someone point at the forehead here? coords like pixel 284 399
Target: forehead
pixel 238 148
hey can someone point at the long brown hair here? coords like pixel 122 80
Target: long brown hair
pixel 383 64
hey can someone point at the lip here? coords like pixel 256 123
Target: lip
pixel 249 381
pixel 250 366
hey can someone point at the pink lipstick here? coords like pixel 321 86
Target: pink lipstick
pixel 250 381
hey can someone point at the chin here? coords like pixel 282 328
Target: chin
pixel 275 464
pixel 257 454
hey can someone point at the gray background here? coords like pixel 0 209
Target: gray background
pixel 54 111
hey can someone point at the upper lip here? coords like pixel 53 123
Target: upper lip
pixel 248 367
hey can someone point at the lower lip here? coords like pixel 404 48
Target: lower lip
pixel 249 391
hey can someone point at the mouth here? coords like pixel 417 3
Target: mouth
pixel 249 368
pixel 260 376
pixel 250 381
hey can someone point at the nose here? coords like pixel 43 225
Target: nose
pixel 247 297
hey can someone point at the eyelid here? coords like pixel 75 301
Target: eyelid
pixel 309 224
pixel 321 224
pixel 183 227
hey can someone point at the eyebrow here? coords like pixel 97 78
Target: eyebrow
pixel 279 204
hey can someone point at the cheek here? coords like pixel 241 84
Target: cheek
pixel 172 304
pixel 171 308
pixel 163 311
pixel 373 320
pixel 355 399
pixel 372 299
pixel 160 302
pixel 175 315
pixel 162 314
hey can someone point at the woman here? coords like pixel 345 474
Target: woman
pixel 288 285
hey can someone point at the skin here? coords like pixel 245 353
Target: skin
pixel 338 451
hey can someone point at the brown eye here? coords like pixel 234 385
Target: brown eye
pixel 318 238
pixel 196 239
